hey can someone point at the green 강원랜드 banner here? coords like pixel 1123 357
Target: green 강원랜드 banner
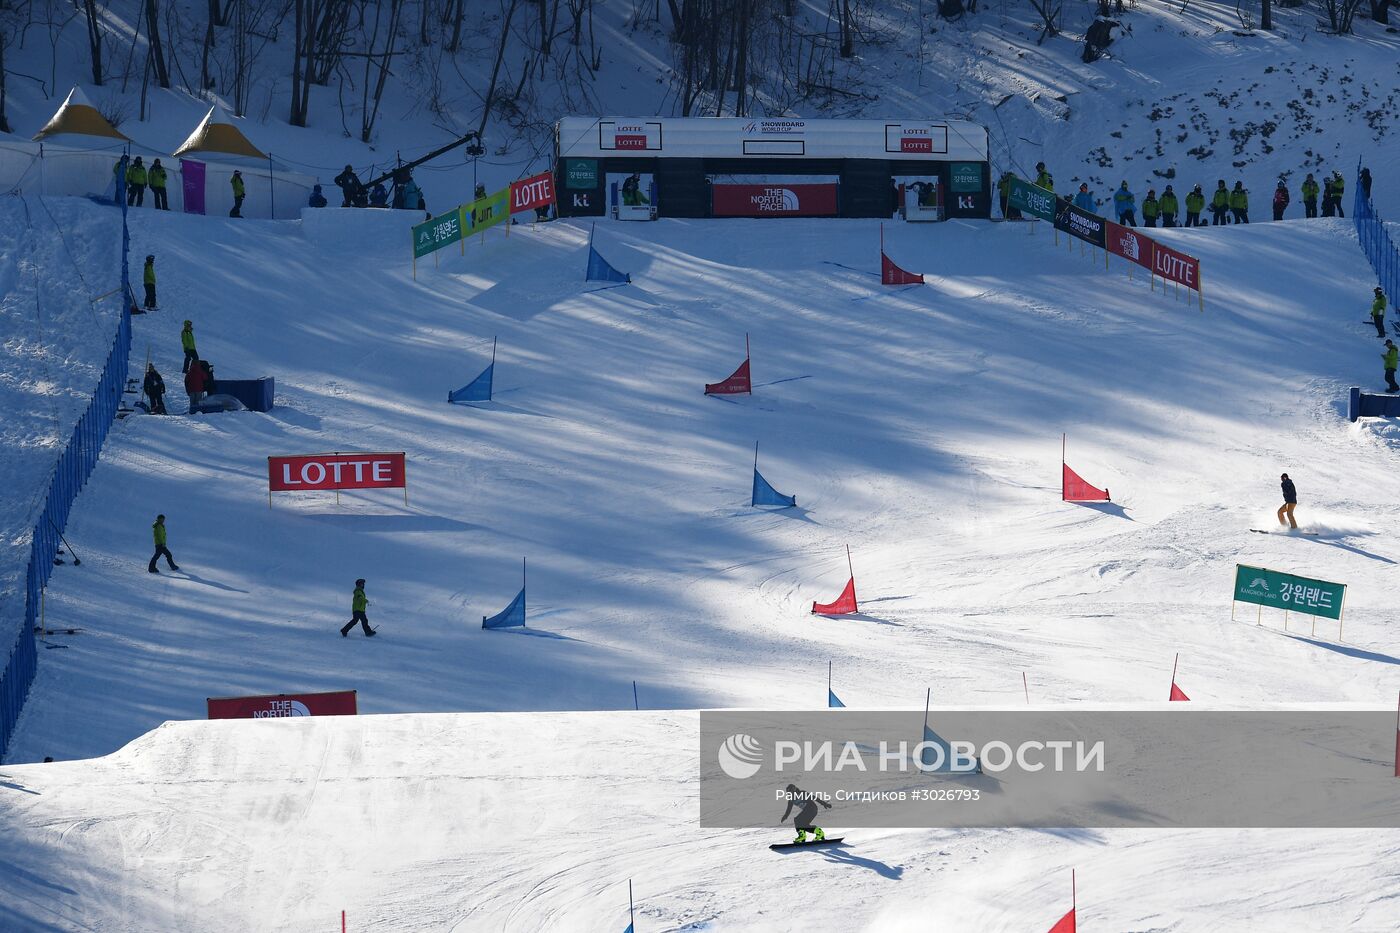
pixel 1031 199
pixel 487 212
pixel 1288 591
pixel 434 234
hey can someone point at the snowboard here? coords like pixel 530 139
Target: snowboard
pixel 1263 531
pixel 830 840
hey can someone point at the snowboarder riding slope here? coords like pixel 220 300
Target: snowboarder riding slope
pixel 158 535
pixel 806 816
pixel 358 604
pixel 1290 502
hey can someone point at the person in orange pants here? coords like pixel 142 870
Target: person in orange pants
pixel 1290 502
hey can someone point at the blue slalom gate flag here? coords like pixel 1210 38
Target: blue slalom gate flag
pixel 479 389
pixel 765 494
pixel 512 616
pixel 929 759
pixel 833 701
pixel 599 269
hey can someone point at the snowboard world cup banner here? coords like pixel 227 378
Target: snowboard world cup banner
pixel 530 193
pixel 1080 224
pixel 337 471
pixel 283 705
pixel 1031 199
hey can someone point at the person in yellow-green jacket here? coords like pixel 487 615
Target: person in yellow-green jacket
pixel 135 183
pixel 156 179
pixel 1391 356
pixel 187 343
pixel 236 182
pixel 158 536
pixel 358 605
pixel 1310 196
pixel 1195 203
pixel 1239 203
pixel 148 279
pixel 1044 179
pixel 1151 207
pixel 1219 205
pixel 1378 312
pixel 1170 207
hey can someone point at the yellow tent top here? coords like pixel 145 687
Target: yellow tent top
pixel 78 117
pixel 216 135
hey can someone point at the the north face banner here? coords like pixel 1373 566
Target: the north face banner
pixel 774 200
pixel 1128 243
pixel 1080 224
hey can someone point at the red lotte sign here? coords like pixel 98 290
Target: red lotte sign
pixel 533 192
pixel 283 705
pixel 1175 266
pixel 774 200
pixel 337 471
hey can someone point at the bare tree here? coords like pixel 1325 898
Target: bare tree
pixel 157 55
pixel 1048 12
pixel 369 112
pixel 1339 14
pixel 94 31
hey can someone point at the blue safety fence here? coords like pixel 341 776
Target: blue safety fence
pixel 70 474
pixel 1376 243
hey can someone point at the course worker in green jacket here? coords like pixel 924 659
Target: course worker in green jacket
pixel 157 181
pixel 135 183
pixel 148 279
pixel 1239 203
pixel 1170 207
pixel 1195 203
pixel 1378 312
pixel 358 605
pixel 158 536
pixel 1219 204
pixel 1151 207
pixel 187 342
pixel 236 182
pixel 1390 356
pixel 1310 196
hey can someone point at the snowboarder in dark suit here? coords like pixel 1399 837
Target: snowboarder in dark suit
pixel 1290 501
pixel 154 387
pixel 358 605
pixel 806 816
pixel 158 536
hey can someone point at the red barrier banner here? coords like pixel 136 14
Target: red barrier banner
pixel 1128 243
pixel 774 200
pixel 337 471
pixel 1176 267
pixel 530 193
pixel 283 705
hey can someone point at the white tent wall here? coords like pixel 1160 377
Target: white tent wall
pixel 48 169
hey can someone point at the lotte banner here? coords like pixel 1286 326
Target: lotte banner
pixel 530 193
pixel 1176 267
pixel 337 471
pixel 283 705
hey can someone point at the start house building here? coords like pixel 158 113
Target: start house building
pixel 737 167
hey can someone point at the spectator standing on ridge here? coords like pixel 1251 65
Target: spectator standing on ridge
pixel 1195 203
pixel 156 178
pixel 1378 312
pixel 236 183
pixel 1084 200
pixel 1390 356
pixel 412 196
pixel 1004 194
pixel 1239 203
pixel 135 184
pixel 317 199
pixel 1170 207
pixel 1150 208
pixel 350 188
pixel 148 279
pixel 1309 196
pixel 187 342
pixel 196 384
pixel 1366 183
pixel 1125 205
pixel 1290 501
pixel 1219 204
pixel 358 605
pixel 1339 186
pixel 158 535
pixel 1332 188
pixel 154 387
pixel 1280 200
pixel 1044 179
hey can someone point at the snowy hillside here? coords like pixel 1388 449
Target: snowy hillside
pixel 1185 95
pixel 919 426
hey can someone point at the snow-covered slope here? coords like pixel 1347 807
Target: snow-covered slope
pixel 530 822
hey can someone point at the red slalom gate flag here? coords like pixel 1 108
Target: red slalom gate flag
pixel 844 605
pixel 1073 488
pixel 1177 693
pixel 737 384
pixel 890 274
pixel 1066 924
